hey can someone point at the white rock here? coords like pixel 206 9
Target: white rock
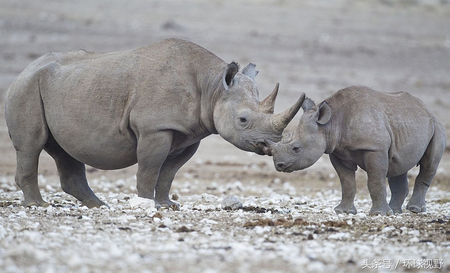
pixel 208 221
pixel 387 229
pixel 167 222
pixel 340 236
pixel 209 197
pixel 316 266
pixel 261 230
pixel 143 203
pixel 74 261
pixel 414 233
pixel 21 214
pixel 231 202
pixel 2 232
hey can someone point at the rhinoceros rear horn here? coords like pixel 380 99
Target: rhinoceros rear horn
pixel 229 74
pixel 268 104
pixel 281 120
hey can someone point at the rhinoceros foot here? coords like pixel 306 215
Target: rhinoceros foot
pixel 397 210
pixel 35 203
pixel 416 208
pixel 167 204
pixel 93 203
pixel 381 210
pixel 345 208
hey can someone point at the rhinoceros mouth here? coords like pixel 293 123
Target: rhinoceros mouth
pixel 282 167
pixel 262 148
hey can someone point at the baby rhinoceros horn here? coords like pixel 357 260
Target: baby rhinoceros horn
pixel 281 120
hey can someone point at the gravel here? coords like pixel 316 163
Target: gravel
pixel 273 231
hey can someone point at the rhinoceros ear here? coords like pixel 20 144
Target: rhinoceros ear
pixel 308 104
pixel 324 114
pixel 228 75
pixel 250 71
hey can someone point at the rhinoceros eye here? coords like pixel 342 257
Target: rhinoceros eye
pixel 296 148
pixel 243 120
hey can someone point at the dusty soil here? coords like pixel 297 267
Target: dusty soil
pixel 287 223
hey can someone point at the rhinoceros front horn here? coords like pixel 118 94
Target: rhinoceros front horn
pixel 281 120
pixel 268 104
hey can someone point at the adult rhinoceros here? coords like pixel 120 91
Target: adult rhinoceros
pixel 150 106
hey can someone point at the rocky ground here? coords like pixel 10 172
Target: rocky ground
pixel 286 222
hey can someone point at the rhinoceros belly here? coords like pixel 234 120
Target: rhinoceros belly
pixel 96 148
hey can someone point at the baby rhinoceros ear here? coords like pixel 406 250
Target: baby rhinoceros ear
pixel 324 113
pixel 308 105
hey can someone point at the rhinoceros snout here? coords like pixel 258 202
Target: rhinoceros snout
pixel 283 167
pixel 280 166
pixel 263 148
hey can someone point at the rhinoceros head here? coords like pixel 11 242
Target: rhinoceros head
pixel 303 146
pixel 242 119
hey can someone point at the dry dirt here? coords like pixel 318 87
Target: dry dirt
pixel 287 223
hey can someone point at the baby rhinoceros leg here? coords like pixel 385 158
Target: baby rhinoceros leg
pixel 72 175
pixel 348 185
pixel 399 191
pixel 377 165
pixel 428 167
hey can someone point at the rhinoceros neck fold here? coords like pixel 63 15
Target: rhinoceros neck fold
pixel 211 89
pixel 331 138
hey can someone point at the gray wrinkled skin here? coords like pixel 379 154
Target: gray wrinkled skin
pixel 385 134
pixel 150 106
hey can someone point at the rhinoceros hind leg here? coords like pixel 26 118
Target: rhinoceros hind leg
pixel 72 175
pixel 428 167
pixel 377 167
pixel 399 191
pixel 167 174
pixel 26 179
pixel 28 131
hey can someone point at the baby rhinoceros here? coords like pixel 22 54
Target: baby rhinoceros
pixel 385 134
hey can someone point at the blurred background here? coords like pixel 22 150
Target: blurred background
pixel 312 46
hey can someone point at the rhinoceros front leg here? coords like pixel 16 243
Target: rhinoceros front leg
pixel 348 186
pixel 152 152
pixel 167 174
pixel 377 166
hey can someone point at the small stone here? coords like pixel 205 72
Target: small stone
pixel 21 214
pixel 414 233
pixel 387 229
pixel 175 197
pixel 184 229
pixel 143 203
pixel 157 215
pixel 231 202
